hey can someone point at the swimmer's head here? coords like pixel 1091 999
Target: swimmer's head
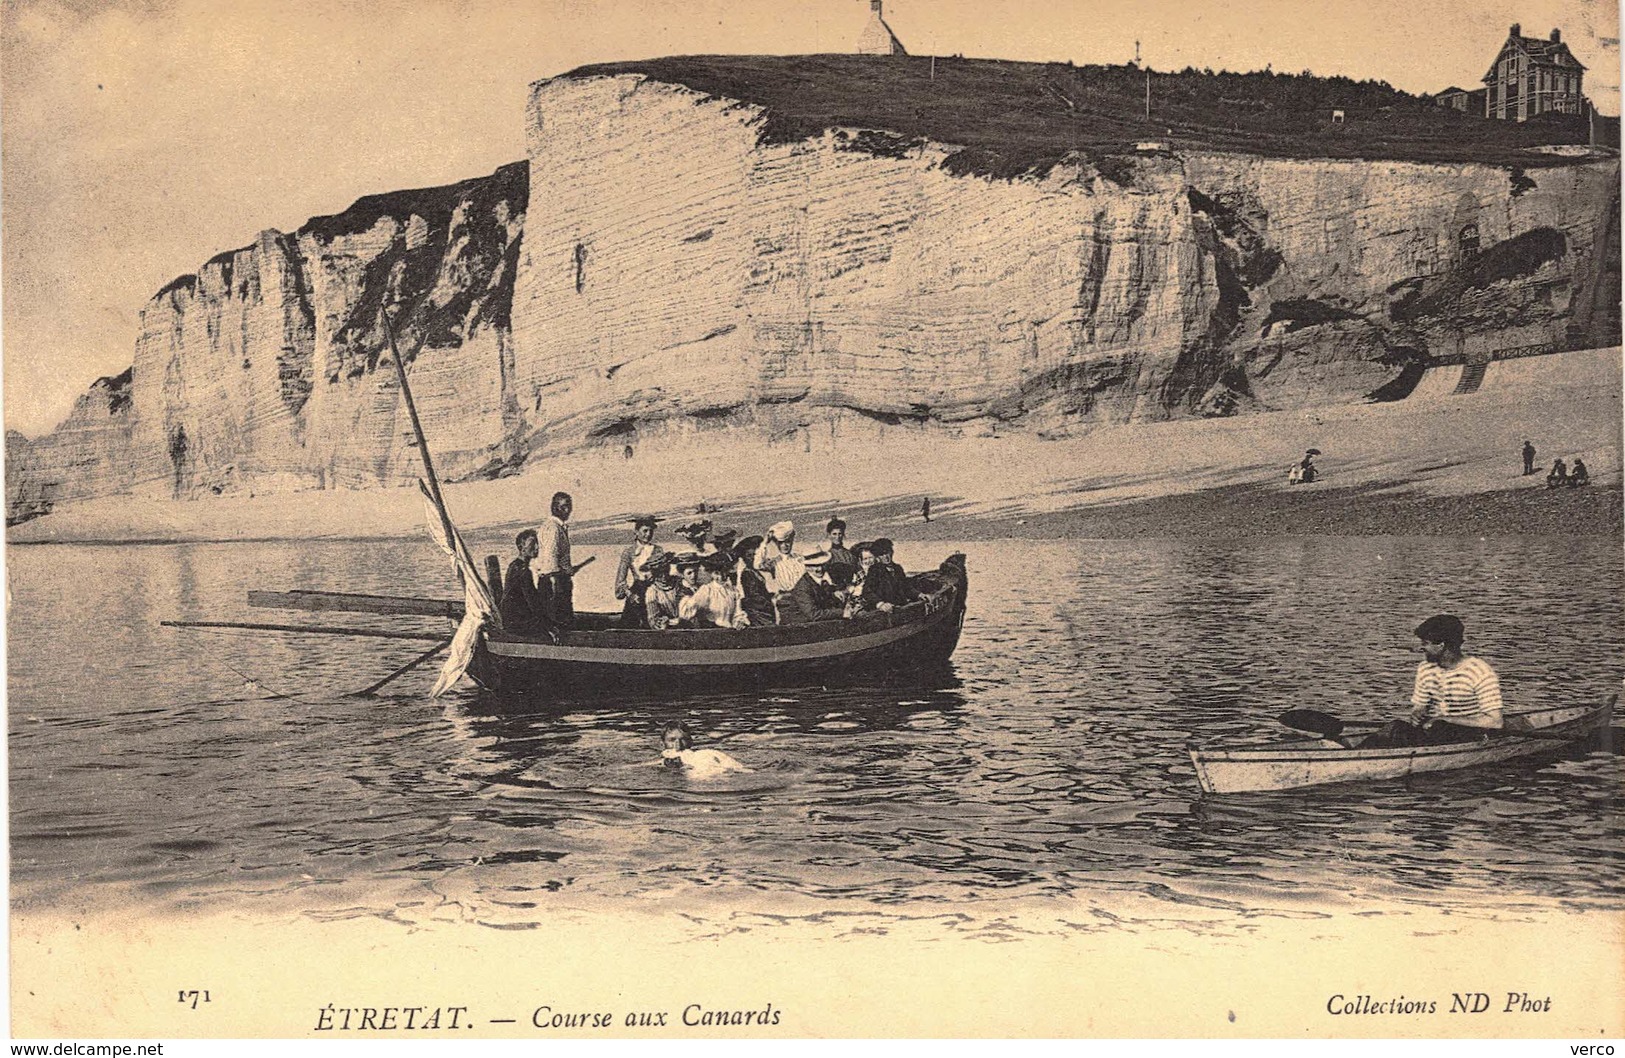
pixel 676 736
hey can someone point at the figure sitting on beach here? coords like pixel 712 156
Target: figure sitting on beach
pixel 679 752
pixel 1579 475
pixel 1559 475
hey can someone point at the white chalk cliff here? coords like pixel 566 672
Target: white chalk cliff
pixel 659 267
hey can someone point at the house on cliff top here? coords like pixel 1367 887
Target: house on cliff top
pixel 877 37
pixel 1531 76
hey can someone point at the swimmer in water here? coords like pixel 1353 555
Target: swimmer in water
pixel 679 752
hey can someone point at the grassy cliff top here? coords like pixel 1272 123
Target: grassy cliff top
pixel 1017 117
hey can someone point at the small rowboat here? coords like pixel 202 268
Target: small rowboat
pixel 1292 763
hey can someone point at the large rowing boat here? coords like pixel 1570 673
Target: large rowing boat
pixel 1291 763
pixel 597 657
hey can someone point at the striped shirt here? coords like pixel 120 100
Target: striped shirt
pixel 1469 694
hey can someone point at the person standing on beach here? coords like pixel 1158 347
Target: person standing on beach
pixel 925 508
pixel 1456 697
pixel 1528 457
pixel 555 577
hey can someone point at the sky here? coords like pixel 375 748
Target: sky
pixel 139 138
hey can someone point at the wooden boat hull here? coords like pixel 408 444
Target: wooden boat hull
pixel 598 660
pixel 1314 762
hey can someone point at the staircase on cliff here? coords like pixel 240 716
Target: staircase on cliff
pixel 1472 376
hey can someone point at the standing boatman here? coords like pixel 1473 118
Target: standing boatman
pixel 555 579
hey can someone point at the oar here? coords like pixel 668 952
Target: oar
pixel 1315 722
pixel 363 633
pixel 367 692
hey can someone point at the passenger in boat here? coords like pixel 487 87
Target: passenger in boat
pixel 697 534
pixel 1456 698
pixel 886 583
pixel 555 577
pixel 1559 475
pixel 679 752
pixel 630 579
pixel 714 601
pixel 811 599
pixel 521 606
pixel 856 597
pixel 777 558
pixel 1579 475
pixel 843 563
pixel 755 599
pixel 662 598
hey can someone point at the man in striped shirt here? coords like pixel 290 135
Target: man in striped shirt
pixel 1457 698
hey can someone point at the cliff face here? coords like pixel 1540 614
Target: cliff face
pixel 681 269
pixel 686 268
pixel 263 371
pixel 88 455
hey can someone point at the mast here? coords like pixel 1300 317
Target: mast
pixel 417 430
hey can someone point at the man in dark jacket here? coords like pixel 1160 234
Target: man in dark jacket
pixel 811 599
pixel 886 584
pixel 523 607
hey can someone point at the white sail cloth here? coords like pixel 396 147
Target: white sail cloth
pixel 479 606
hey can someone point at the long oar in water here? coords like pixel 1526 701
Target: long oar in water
pixel 1315 722
pixel 367 692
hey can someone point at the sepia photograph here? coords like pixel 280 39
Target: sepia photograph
pixel 813 519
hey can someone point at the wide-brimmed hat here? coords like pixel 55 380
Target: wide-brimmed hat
pixel 720 562
pixel 747 547
pixel 782 530
pixel 686 559
pixel 816 560
pixel 646 519
pixel 725 539
pixel 698 528
pixel 881 546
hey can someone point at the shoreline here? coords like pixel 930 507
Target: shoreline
pixel 1426 466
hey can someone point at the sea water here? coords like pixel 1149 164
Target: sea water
pixel 169 770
